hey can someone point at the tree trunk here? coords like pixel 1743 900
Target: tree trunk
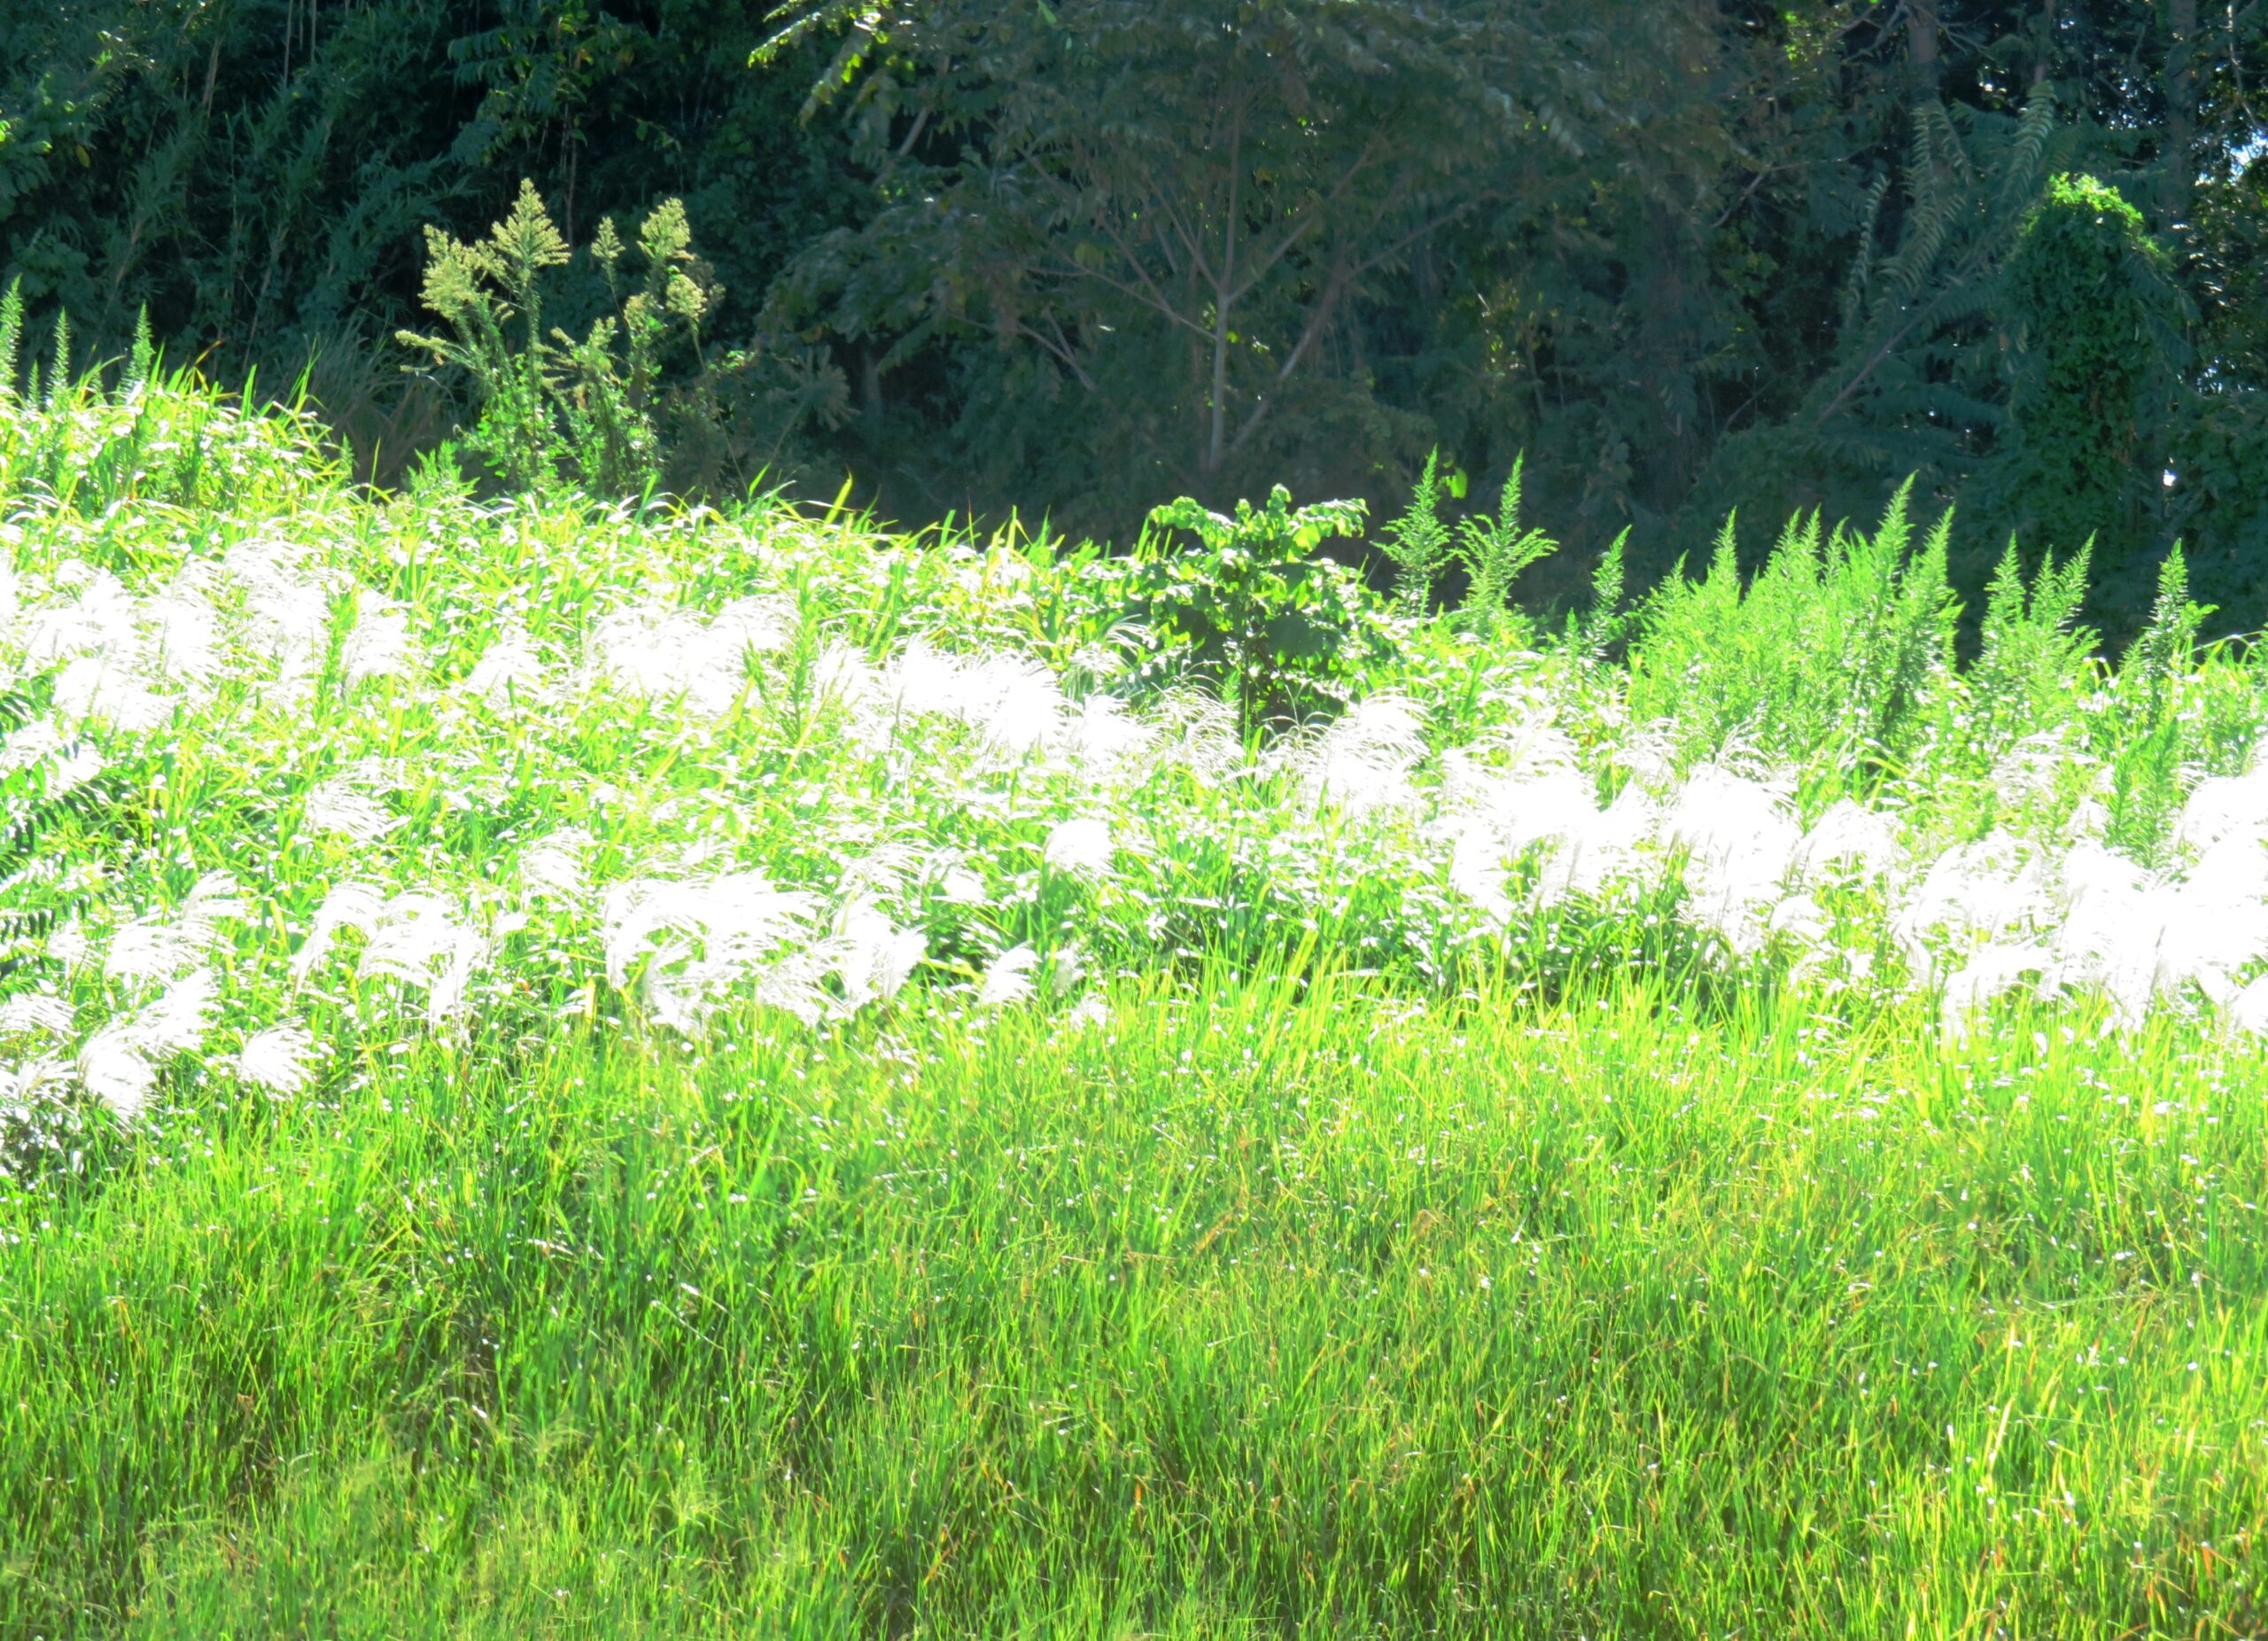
pixel 2177 186
pixel 1921 47
pixel 870 389
pixel 2176 180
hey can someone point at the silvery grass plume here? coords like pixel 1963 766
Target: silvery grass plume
pixel 344 807
pixel 554 868
pixel 1740 844
pixel 800 797
pixel 37 1014
pixel 2085 919
pixel 1365 761
pixel 661 653
pixel 696 940
pixel 119 1063
pixel 511 668
pixel 1082 847
pixel 278 1059
pixel 1014 705
pixel 1018 975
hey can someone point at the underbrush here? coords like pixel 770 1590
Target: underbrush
pixel 373 770
pixel 631 1066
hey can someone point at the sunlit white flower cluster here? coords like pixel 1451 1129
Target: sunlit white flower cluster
pixel 461 770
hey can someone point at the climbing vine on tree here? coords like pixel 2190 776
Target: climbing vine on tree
pixel 2097 324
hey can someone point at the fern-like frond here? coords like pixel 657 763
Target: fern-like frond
pixel 12 336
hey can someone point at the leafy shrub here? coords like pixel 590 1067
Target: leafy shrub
pixel 1418 543
pixel 2099 324
pixel 1493 552
pixel 41 885
pixel 2147 772
pixel 1830 655
pixel 51 784
pixel 594 409
pixel 89 438
pixel 1254 607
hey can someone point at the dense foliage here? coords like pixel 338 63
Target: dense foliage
pixel 1076 257
pixel 312 771
pixel 575 1067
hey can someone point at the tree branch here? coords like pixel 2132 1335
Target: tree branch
pixel 1342 279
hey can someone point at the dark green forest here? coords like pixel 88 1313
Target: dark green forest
pixel 1076 257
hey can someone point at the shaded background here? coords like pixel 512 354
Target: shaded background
pixel 1076 258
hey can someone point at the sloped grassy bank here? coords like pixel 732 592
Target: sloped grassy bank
pixel 582 1067
pixel 295 778
pixel 1231 1310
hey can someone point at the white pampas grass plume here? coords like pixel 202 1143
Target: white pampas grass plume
pixel 553 868
pixel 1014 704
pixel 449 994
pixel 1477 872
pixel 290 617
pixel 1082 847
pixel 1012 977
pixel 657 652
pixel 149 948
pixel 110 688
pixel 1007 979
pixel 1849 840
pixel 1990 972
pixel 212 896
pixel 2221 804
pixel 185 637
pixel 1605 848
pixel 114 1069
pixel 156 946
pixel 703 935
pixel 338 807
pixel 69 947
pixel 2248 1010
pixel 2235 865
pixel 876 958
pixel 1108 740
pixel 1363 762
pixel 347 906
pixel 760 622
pixel 741 912
pixel 1093 1011
pixel 36 1011
pixel 378 645
pixel 81 762
pixel 175 1023
pixel 1740 847
pixel 1982 889
pixel 417 931
pixel 40 739
pixel 21 1085
pixel 278 1059
pixel 511 666
pixel 882 873
pixel 956 883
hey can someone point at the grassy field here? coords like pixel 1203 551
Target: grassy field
pixel 1239 1311
pixel 610 1070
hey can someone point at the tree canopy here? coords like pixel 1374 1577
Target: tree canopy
pixel 1076 256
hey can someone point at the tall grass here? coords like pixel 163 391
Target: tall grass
pixel 429 766
pixel 1231 1310
pixel 626 1068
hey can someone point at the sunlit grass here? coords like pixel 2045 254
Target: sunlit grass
pixel 616 1070
pixel 1238 1310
